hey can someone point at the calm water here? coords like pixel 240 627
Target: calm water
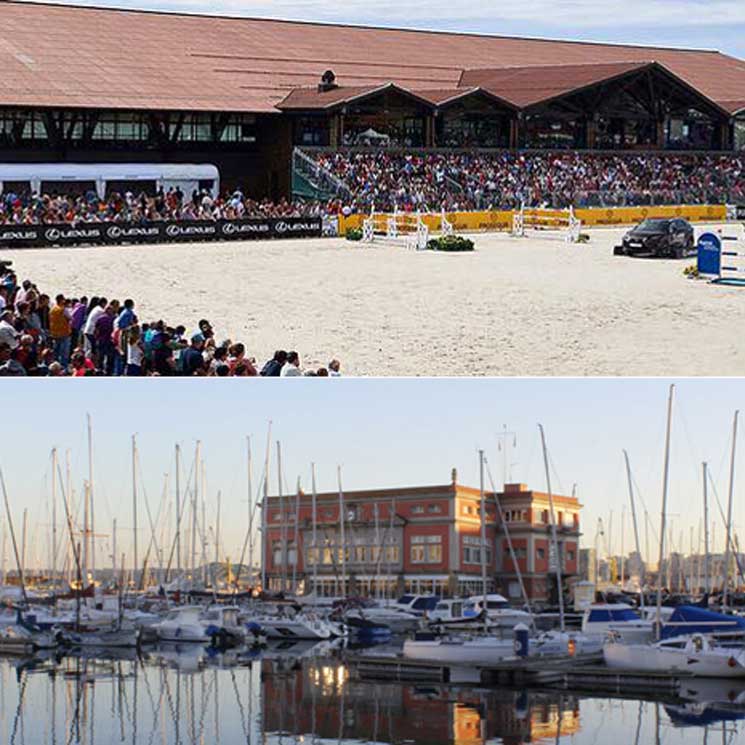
pixel 173 695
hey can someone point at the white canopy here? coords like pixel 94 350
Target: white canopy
pixel 166 175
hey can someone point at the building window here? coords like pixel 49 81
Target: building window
pixel 239 129
pixel 434 509
pixel 192 128
pixel 277 553
pixel 540 553
pixel 120 126
pixel 570 555
pixel 392 555
pixel 417 509
pixel 544 516
pixel 426 549
pixel 360 554
pixel 472 550
pixel 313 555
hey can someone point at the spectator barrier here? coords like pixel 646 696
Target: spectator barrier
pixel 503 220
pixel 112 233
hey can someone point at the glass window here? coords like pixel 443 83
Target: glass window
pixel 120 126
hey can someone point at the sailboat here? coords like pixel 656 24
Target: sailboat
pixel 694 653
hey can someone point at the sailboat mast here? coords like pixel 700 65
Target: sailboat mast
pixel 54 518
pixel 636 526
pixel 728 540
pixel 342 535
pixel 19 564
pixel 194 502
pixel 663 513
pixel 704 468
pixel 134 507
pixel 554 537
pixel 482 552
pixel 178 509
pixel 265 546
pixel 91 537
pixel 316 556
pixel 283 518
pixel 249 487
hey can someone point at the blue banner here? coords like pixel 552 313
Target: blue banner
pixel 709 254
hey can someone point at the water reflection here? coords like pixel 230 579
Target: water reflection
pixel 293 694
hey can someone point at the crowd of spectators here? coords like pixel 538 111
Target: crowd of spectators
pixel 81 336
pixel 470 180
pixel 29 208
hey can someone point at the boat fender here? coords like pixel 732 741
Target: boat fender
pixel 732 662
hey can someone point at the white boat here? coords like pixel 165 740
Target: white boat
pixel 481 651
pixel 417 605
pixel 298 626
pixel 399 622
pixel 183 625
pixel 693 655
pixel 498 610
pixel 101 637
pixel 619 619
pixel 16 638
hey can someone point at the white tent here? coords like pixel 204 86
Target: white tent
pixel 167 175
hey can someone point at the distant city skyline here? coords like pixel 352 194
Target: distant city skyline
pixel 711 24
pixel 383 433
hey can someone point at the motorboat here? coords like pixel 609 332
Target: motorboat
pixel 498 610
pixel 396 621
pixel 696 654
pixel 217 625
pixel 298 626
pixel 417 605
pixel 620 619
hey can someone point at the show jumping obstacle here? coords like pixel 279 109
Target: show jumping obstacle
pixel 711 258
pixel 534 218
pixel 404 228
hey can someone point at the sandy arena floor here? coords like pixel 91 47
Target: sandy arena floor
pixel 533 306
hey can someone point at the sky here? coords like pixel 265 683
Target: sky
pixel 382 432
pixel 711 24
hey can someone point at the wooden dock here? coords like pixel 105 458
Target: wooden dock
pixel 578 673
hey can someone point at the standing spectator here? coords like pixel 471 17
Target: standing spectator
pixel 95 311
pixel 60 330
pixel 192 359
pixel 103 334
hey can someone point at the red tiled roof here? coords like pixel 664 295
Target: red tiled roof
pixel 55 55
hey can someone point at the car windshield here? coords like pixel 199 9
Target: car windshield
pixel 654 224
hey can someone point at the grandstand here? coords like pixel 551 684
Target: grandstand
pixel 90 85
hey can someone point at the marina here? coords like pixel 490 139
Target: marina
pixel 175 695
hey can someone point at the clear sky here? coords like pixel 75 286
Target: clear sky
pixel 713 24
pixel 393 432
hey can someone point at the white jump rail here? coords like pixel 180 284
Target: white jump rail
pixel 538 218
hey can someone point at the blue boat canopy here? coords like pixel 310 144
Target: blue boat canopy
pixel 689 619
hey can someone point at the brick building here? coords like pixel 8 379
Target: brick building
pixel 418 539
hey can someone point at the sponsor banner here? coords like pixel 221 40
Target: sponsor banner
pixel 25 236
pixel 632 215
pixel 471 222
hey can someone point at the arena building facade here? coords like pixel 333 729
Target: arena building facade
pixel 90 85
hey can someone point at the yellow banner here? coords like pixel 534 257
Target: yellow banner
pixel 472 222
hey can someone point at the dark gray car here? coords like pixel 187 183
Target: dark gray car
pixel 671 237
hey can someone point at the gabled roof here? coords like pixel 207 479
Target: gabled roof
pixel 526 86
pixel 68 56
pixel 314 99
